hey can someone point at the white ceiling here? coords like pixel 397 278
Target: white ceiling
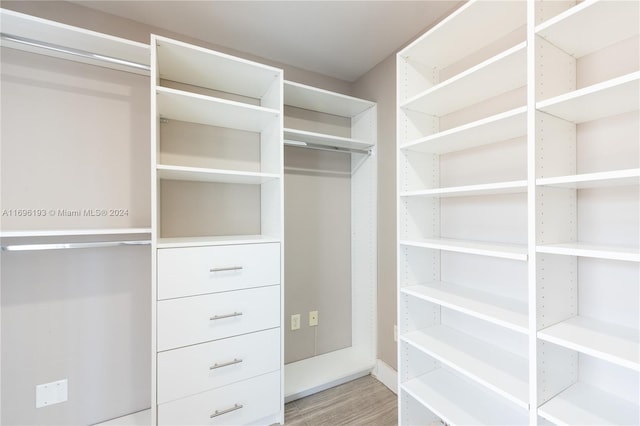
pixel 341 39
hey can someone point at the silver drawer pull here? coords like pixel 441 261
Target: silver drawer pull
pixel 228 268
pixel 225 364
pixel 228 410
pixel 217 317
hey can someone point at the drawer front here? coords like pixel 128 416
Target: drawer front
pixel 194 369
pixel 237 404
pixel 198 319
pixel 200 270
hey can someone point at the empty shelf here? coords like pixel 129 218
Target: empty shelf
pixel 329 141
pixel 200 174
pixel 512 187
pixel 594 180
pixel 501 250
pixel 591 250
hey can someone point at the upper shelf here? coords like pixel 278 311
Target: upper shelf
pixel 314 99
pixel 206 68
pixel 591 250
pixel 592 25
pixel 91 47
pixel 499 250
pixel 594 180
pixel 199 174
pixel 325 140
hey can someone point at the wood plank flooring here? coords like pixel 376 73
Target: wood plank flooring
pixel 364 401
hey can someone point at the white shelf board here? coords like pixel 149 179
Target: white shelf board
pixel 182 62
pixel 591 250
pixel 200 174
pixel 73 232
pixel 610 342
pixel 314 99
pixel 458 402
pixel 195 108
pixel 496 309
pixel 500 74
pixel 179 242
pixel 30 27
pixel 321 139
pixel 592 25
pixel 611 97
pixel 141 418
pixel 500 250
pixel 594 180
pixel 512 187
pixel 466 31
pixel 582 404
pixel 500 127
pixel 311 375
pixel 502 372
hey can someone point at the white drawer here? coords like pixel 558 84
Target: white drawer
pixel 237 404
pixel 200 270
pixel 198 319
pixel 195 369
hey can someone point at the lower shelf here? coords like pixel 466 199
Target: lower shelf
pixel 582 404
pixel 458 402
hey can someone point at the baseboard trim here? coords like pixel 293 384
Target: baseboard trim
pixel 386 375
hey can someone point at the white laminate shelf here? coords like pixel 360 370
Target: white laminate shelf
pixel 458 402
pixel 591 250
pixel 314 99
pixel 466 31
pixel 582 404
pixel 500 74
pixel 200 174
pixel 181 242
pixel 195 108
pixel 206 68
pixel 608 98
pixel 592 25
pixel 512 187
pixel 499 250
pixel 496 309
pixel 75 39
pixel 502 372
pixel 74 232
pixel 324 140
pixel 500 127
pixel 609 342
pixel 612 178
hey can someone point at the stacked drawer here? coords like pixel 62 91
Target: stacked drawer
pixel 218 335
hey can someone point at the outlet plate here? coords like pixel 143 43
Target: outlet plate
pixel 51 393
pixel 295 322
pixel 313 318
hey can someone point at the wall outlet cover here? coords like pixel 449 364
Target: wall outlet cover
pixel 51 393
pixel 295 322
pixel 313 318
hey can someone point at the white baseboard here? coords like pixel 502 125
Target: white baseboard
pixel 386 375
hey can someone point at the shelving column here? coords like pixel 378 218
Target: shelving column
pixel 217 237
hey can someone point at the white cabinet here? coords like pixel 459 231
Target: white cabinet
pixel 217 230
pixel 518 215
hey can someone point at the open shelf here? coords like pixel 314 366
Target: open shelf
pixel 513 187
pixel 194 108
pixel 474 85
pixel 496 309
pixel 594 180
pixel 592 25
pixel 611 97
pixel 73 232
pixel 324 140
pixel 314 99
pixel 500 250
pixel 591 250
pixel 458 402
pixel 178 242
pixel 612 343
pixel 500 127
pixel 200 174
pixel 582 404
pixel 498 370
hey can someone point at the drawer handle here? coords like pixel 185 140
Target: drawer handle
pixel 228 410
pixel 225 364
pixel 228 268
pixel 217 317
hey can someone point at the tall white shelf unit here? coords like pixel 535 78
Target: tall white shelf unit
pixel 320 372
pixel 217 293
pixel 518 216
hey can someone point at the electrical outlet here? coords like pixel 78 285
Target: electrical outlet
pixel 295 322
pixel 313 318
pixel 51 393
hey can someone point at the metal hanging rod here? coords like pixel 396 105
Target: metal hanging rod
pixel 72 51
pixel 78 245
pixel 327 148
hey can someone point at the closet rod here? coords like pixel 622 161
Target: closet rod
pixel 72 51
pixel 326 148
pixel 78 245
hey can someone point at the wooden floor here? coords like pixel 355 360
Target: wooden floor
pixel 364 401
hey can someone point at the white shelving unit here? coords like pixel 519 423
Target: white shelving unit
pixel 320 372
pixel 531 119
pixel 217 237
